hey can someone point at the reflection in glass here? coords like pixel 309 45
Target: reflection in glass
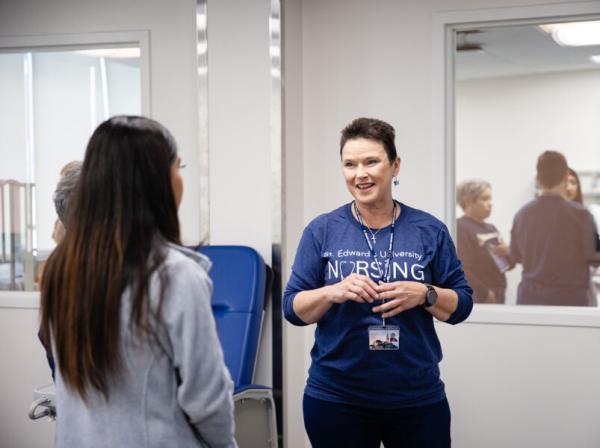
pixel 481 248
pixel 519 93
pixel 51 101
pixel 553 238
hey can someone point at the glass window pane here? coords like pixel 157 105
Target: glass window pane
pixel 52 101
pixel 524 239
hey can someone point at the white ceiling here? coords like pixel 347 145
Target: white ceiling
pixel 520 50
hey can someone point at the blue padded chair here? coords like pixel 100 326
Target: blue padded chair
pixel 239 277
pixel 240 288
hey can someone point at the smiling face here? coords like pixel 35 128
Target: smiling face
pixel 368 172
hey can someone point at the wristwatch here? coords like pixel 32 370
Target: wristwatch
pixel 430 296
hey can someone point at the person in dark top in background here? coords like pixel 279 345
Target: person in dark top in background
pixel 480 248
pixel 555 241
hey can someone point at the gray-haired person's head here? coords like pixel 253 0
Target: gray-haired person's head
pixel 469 190
pixel 65 188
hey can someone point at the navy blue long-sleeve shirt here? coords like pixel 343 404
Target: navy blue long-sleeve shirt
pixel 343 368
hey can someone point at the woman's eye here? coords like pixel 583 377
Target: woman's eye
pixel 372 162
pixel 182 165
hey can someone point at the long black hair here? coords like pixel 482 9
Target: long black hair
pixel 122 207
pixel 578 195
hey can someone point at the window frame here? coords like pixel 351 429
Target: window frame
pixel 65 42
pixel 445 24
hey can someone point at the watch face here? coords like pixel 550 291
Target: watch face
pixel 431 296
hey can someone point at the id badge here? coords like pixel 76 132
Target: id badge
pixel 384 337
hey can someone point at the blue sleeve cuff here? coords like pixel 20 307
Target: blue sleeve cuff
pixel 463 308
pixel 288 311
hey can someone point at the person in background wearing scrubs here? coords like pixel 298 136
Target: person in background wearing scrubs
pixel 480 247
pixel 555 240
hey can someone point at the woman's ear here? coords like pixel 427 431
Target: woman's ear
pixel 396 166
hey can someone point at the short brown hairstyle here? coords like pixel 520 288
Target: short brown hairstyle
pixel 552 169
pixel 371 129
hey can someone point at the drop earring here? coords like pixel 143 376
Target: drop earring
pixel 395 181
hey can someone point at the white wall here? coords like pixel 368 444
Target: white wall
pixel 124 91
pixel 239 135
pixel 24 367
pixel 63 119
pixel 375 59
pixel 295 362
pixel 522 386
pixel 12 109
pixel 173 102
pixel 239 108
pixel 504 124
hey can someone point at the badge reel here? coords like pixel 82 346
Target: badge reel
pixel 384 337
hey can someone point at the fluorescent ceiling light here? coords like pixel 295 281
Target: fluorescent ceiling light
pixel 595 58
pixel 114 53
pixel 202 47
pixel 574 34
pixel 201 21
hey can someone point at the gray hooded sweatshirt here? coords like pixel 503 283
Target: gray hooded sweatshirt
pixel 174 394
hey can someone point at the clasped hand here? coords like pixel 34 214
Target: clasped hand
pixel 399 296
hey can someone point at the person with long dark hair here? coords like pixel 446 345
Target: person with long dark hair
pixel 127 309
pixel 573 188
pixel 573 193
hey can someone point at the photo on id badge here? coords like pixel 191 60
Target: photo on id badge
pixel 384 337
